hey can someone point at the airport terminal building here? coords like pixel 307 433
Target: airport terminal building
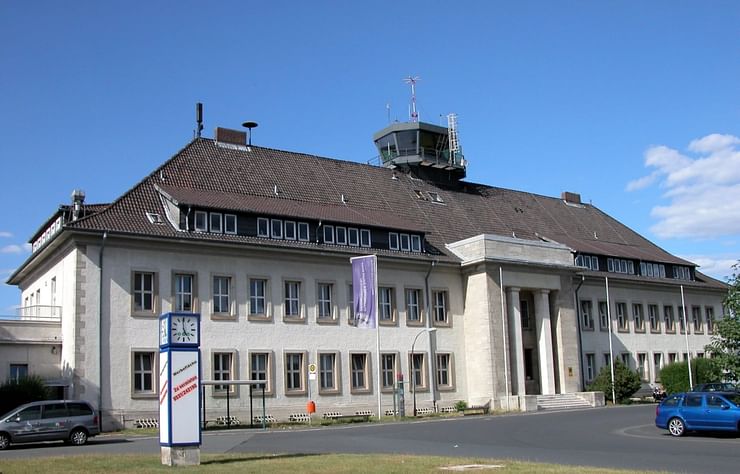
pixel 486 295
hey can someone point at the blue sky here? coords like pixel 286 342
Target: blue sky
pixel 634 105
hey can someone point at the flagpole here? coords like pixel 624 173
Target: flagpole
pixel 377 333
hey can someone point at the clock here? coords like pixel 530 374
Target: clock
pixel 184 329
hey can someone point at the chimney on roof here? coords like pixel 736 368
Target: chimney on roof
pixel 572 198
pixel 234 137
pixel 78 198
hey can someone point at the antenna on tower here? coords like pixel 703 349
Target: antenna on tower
pixel 413 80
pixel 198 118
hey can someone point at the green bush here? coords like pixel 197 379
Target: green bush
pixel 626 382
pixel 461 405
pixel 675 377
pixel 25 390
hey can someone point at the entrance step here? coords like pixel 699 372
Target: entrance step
pixel 562 401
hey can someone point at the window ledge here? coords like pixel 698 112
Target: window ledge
pixel 259 318
pixel 327 321
pixel 294 320
pixel 360 391
pixel 295 393
pixel 389 323
pixel 223 317
pixel 143 396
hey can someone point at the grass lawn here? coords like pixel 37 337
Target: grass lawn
pixel 289 463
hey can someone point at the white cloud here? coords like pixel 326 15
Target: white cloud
pixel 5 234
pixel 16 249
pixel 703 191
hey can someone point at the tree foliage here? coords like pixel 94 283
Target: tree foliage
pixel 626 382
pixel 25 390
pixel 675 377
pixel 725 345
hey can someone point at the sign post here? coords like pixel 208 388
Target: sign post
pixel 179 389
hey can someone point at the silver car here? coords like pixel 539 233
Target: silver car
pixel 73 421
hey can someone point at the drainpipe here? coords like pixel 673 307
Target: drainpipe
pixel 580 337
pixel 100 332
pixel 432 339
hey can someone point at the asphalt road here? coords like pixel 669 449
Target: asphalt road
pixel 618 437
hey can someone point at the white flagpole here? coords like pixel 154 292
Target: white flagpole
pixel 377 332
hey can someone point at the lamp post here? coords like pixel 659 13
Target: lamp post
pixel 413 377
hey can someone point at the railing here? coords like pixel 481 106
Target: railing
pixel 427 154
pixel 41 313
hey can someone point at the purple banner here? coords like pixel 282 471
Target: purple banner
pixel 364 291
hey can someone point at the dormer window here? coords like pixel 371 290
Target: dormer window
pixel 588 261
pixel 415 243
pixel 653 270
pixel 216 222
pixel 328 234
pixel 405 242
pixel 435 197
pixel 276 229
pixel 303 231
pixel 201 221
pixel 230 223
pixel 620 265
pixel 263 227
pixel 365 238
pixel 392 240
pixel 341 235
pixel 354 237
pixel 681 273
pixel 290 230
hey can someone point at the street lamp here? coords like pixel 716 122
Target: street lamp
pixel 413 377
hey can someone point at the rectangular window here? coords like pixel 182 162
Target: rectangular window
pixel 292 299
pixel 216 219
pixel 672 357
pixel 642 366
pixel 324 301
pixel 290 230
pixel 657 364
pixel 653 314
pixel 223 370
pixel 303 231
pixel 696 319
pixel 341 235
pixel 392 240
pixel 388 371
pixel 365 240
pixel 328 373
pixel 625 359
pixel 607 359
pixel 439 308
pixel 445 379
pixel 413 306
pixel 221 294
pixel 353 237
pixel 668 321
pixel 143 372
pixel 201 221
pixel 328 234
pixel 144 292
pixel 418 370
pixel 622 317
pixel 294 369
pixel 638 317
pixel 681 320
pixel 360 373
pixel 184 292
pixel 524 314
pixel 18 372
pixel 260 367
pixel 415 243
pixel 258 297
pixel 603 316
pixel 590 367
pixel 587 317
pixel 387 305
pixel 230 223
pixel 263 227
pixel 276 228
pixel 405 242
pixel 709 312
pixel 350 305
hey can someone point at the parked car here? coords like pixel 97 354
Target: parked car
pixel 699 411
pixel 714 387
pixel 73 421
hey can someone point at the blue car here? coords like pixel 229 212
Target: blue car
pixel 699 411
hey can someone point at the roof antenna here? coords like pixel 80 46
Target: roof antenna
pixel 413 81
pixel 199 118
pixel 250 126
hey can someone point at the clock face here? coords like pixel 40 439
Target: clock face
pixel 184 329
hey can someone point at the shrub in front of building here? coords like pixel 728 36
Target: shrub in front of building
pixel 24 390
pixel 626 382
pixel 675 376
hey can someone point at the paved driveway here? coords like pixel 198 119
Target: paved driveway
pixel 619 437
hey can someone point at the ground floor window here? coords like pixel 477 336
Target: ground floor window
pixel 143 372
pixel 360 372
pixel 445 372
pixel 223 370
pixel 590 367
pixel 18 371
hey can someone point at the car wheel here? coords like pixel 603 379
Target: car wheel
pixel 4 440
pixel 78 437
pixel 676 427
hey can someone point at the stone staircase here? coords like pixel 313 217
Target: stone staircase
pixel 563 401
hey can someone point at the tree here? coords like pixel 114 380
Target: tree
pixel 675 377
pixel 725 345
pixel 626 382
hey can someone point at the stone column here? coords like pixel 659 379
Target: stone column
pixel 516 348
pixel 544 341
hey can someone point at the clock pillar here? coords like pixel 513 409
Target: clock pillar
pixel 179 389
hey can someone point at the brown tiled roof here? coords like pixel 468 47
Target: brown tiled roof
pixel 311 187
